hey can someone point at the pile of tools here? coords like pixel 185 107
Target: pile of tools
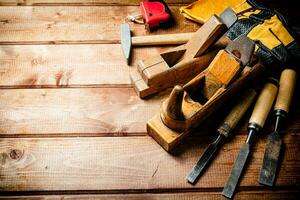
pixel 261 110
pixel 257 120
pixel 206 71
pixel 182 63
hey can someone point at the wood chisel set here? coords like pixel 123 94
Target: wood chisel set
pixel 206 71
pixel 257 120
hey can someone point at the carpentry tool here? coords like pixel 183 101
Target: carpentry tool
pixel 167 39
pixel 224 131
pixel 259 115
pixel 182 63
pixel 155 13
pixel 286 89
pixel 191 104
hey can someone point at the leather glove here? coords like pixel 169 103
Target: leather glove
pixel 266 27
pixel 200 11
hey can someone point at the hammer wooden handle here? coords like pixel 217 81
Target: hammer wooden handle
pixel 286 90
pixel 263 104
pixel 178 38
pixel 237 112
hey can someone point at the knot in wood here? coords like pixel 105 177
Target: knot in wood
pixel 15 154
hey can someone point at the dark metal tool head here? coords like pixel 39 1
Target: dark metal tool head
pixel 236 171
pixel 126 40
pixel 270 162
pixel 228 17
pixel 242 48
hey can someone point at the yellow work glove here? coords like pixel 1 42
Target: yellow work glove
pixel 268 29
pixel 200 11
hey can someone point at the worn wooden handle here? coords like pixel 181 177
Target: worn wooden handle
pixel 237 112
pixel 179 38
pixel 286 90
pixel 263 104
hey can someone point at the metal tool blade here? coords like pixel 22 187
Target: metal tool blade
pixel 270 161
pixel 236 171
pixel 204 160
pixel 125 40
pixel 228 17
pixel 244 46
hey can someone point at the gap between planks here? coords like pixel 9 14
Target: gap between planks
pixel 97 65
pixel 100 164
pixel 75 111
pixel 258 193
pixel 62 42
pixel 49 24
pixel 84 2
pixel 92 112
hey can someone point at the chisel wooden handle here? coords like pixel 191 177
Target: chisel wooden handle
pixel 179 38
pixel 237 112
pixel 286 90
pixel 263 104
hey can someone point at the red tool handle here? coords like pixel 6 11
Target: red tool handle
pixel 154 13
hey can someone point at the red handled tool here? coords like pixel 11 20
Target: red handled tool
pixel 155 14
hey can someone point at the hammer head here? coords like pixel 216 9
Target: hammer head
pixel 126 40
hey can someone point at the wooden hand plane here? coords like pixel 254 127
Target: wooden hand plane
pixel 180 64
pixel 188 106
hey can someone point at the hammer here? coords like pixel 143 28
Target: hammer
pixel 127 41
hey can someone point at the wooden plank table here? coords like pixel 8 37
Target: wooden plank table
pixel 71 125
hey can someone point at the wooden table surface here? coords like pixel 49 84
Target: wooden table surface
pixel 71 126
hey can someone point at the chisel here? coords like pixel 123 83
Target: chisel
pixel 223 131
pixel 285 93
pixel 259 115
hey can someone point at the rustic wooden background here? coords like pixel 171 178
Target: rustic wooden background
pixel 71 125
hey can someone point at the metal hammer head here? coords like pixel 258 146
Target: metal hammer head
pixel 228 17
pixel 126 40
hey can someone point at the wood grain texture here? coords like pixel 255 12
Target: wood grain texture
pixel 67 65
pixel 237 112
pixel 74 24
pixel 253 195
pixel 53 162
pixel 220 72
pixel 91 111
pixel 263 104
pixel 287 84
pixel 115 164
pixel 83 2
pixel 177 38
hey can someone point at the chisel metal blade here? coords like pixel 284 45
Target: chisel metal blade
pixel 268 170
pixel 236 171
pixel 206 157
